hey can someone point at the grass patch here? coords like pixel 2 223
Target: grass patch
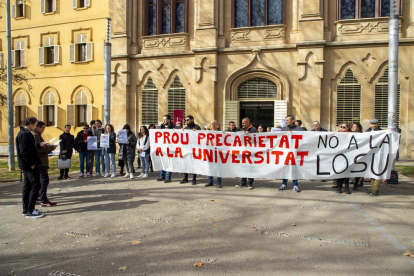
pixel 405 170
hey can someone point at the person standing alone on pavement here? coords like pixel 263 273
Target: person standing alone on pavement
pixel 44 167
pixel 29 161
pixel 66 150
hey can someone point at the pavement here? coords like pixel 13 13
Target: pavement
pixel 118 226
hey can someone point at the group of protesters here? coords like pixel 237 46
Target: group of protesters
pixel 32 153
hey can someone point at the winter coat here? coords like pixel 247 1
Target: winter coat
pixel 170 126
pixel 79 141
pixel 321 129
pixel 144 145
pixel 27 155
pixel 112 143
pixel 292 128
pixel 193 126
pixel 252 129
pixel 130 148
pixel 234 130
pixel 43 151
pixel 67 143
pixel 370 129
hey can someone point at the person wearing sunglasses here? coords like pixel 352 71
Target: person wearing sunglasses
pixel 189 120
pixel 81 143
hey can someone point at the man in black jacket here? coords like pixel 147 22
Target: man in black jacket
pixel 290 126
pixel 29 161
pixel 247 129
pixel 190 125
pixel 66 149
pixel 166 125
pixel 232 127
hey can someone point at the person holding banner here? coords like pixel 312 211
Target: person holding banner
pixel 247 128
pixel 290 126
pixel 109 149
pixel 375 183
pixel 232 127
pixel 99 157
pixel 344 127
pixel 66 149
pixel 143 147
pixel 214 127
pixel 130 152
pixel 317 127
pixel 191 126
pixel 81 143
pixel 166 125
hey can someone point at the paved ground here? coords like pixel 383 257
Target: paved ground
pixel 102 226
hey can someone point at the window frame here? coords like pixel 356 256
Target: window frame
pixel 49 109
pixel 158 6
pixel 85 113
pixel 249 17
pixel 49 50
pixel 80 51
pixel 358 10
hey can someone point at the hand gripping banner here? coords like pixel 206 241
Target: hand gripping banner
pixel 275 155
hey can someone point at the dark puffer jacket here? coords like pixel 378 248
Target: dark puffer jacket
pixel 27 155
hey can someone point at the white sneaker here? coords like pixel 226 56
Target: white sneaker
pixel 106 175
pixel 113 175
pixel 80 175
pixel 97 174
pixel 131 175
pixel 126 175
pixel 145 176
pixel 140 176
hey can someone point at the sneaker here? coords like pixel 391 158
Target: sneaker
pixel 59 178
pixel 250 187
pixel 376 193
pixel 106 175
pixel 48 204
pixel 167 181
pixel 88 174
pixel 296 189
pixel 141 175
pixel 184 181
pixel 145 176
pixel 161 179
pixel 97 174
pixel 131 176
pixel 35 214
pixel 126 175
pixel 283 187
pixel 208 185
pixel 67 177
pixel 38 201
pixel 113 175
pixel 240 186
pixel 219 186
pixel 80 175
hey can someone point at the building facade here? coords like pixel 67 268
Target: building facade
pixel 227 59
pixel 58 46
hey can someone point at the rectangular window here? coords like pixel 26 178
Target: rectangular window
pixel 164 16
pixel 49 55
pixel 82 114
pixel 20 9
pixel 17 58
pixel 50 115
pixel 81 3
pixel 249 13
pixel 81 51
pixel 354 9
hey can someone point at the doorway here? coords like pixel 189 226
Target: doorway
pixel 259 112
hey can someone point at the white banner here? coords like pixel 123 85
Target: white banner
pixel 277 155
pixel 104 141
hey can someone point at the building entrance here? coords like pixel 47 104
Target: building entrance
pixel 259 113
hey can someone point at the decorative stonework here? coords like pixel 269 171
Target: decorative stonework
pixel 372 26
pixel 258 36
pixel 369 60
pixel 164 42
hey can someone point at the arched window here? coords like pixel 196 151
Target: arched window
pixel 149 103
pixel 49 110
pixel 176 96
pixel 348 99
pixel 350 9
pixel 164 16
pixel 20 109
pixel 381 100
pixel 80 112
pixel 257 88
pixel 248 13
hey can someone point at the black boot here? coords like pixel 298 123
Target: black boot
pixel 361 182
pixel 339 188
pixel 347 188
pixel 185 179
pixel 355 186
pixel 122 170
pixel 194 181
pixel 335 184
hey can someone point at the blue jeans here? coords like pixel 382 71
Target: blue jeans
pixel 110 157
pixel 162 174
pixel 82 156
pixel 98 158
pixel 295 182
pixel 145 163
pixel 210 180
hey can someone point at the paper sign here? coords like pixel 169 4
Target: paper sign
pixel 54 153
pixel 57 143
pixel 92 143
pixel 122 136
pixel 283 121
pixel 241 132
pixel 275 129
pixel 142 154
pixel 104 141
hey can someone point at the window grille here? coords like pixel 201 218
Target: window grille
pixel 257 88
pixel 381 101
pixel 348 99
pixel 149 103
pixel 176 96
